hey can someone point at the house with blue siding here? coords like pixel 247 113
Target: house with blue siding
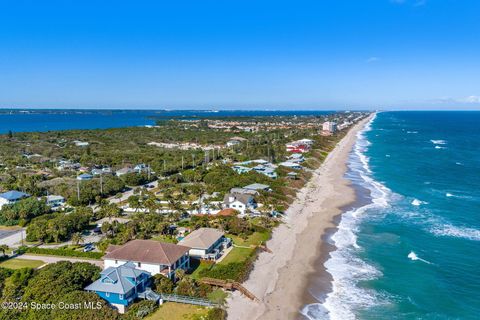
pixel 121 285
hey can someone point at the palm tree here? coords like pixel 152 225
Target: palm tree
pixel 179 274
pixel 77 238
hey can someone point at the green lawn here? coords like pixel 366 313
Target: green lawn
pixel 237 255
pixel 21 263
pixel 164 238
pixel 178 311
pixel 202 265
pixel 253 240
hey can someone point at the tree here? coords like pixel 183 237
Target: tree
pixel 180 274
pixel 77 238
pixel 3 249
pixel 162 284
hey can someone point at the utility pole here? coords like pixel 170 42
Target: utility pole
pixel 78 190
pixel 182 162
pixel 101 183
pixel 193 157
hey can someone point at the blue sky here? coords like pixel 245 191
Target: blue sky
pixel 242 54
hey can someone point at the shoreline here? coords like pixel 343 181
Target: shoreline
pixel 281 280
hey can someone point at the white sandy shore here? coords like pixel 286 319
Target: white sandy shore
pixel 279 279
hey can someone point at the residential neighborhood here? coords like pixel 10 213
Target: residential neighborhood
pixel 170 223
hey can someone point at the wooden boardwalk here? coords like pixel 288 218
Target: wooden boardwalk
pixel 230 285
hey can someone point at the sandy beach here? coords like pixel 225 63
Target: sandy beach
pixel 280 279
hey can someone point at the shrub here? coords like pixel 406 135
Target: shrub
pixel 64 252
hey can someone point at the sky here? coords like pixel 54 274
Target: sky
pixel 240 54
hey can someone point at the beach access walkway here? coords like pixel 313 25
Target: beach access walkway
pixel 230 285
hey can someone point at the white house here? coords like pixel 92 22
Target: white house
pixel 55 201
pixel 206 243
pixel 153 256
pixel 239 201
pixel 11 197
pixel 291 165
pixel 232 143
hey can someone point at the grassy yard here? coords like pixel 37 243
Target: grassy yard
pixel 202 265
pixel 253 240
pixel 164 238
pixel 236 255
pixel 21 263
pixel 178 311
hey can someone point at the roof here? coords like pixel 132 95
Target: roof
pixel 148 251
pixel 257 186
pixel 243 190
pixel 85 175
pixel 202 238
pixel 14 195
pixel 54 198
pixel 238 138
pixel 227 212
pixel 242 197
pixel 117 279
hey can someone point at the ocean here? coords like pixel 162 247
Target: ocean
pixel 28 120
pixel 412 249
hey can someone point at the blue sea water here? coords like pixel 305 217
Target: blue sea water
pixel 413 252
pixel 29 120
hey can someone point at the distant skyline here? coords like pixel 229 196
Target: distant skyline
pixel 277 55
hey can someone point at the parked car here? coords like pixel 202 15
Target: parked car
pixel 88 248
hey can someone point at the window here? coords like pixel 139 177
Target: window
pixel 116 261
pixel 107 294
pixel 139 264
pixel 121 297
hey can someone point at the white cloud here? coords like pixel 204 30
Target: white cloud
pixel 470 99
pixel 372 59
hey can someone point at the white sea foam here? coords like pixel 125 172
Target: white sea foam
pixel 438 141
pixel 449 230
pixel 449 195
pixel 416 202
pixel 412 131
pixel 344 265
pixel 413 256
pixel 438 147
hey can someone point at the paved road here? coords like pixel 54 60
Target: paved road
pixel 53 259
pixel 12 238
pixel 129 193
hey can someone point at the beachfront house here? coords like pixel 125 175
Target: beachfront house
pixel 11 197
pixel 244 190
pixel 121 285
pixel 296 157
pixel 291 165
pixel 266 170
pixel 206 243
pixel 241 169
pixel 239 201
pixel 257 187
pixel 153 256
